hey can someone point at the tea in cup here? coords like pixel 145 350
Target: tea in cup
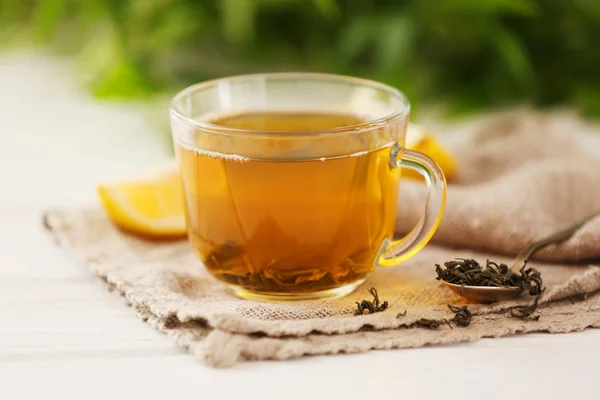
pixel 291 181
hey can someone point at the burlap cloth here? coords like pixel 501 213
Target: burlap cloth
pixel 521 175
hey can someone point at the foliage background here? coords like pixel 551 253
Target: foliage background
pixel 463 54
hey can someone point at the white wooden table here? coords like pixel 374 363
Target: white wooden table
pixel 62 335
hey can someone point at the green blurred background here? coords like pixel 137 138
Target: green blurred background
pixel 462 55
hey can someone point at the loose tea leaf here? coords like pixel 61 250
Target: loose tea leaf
pixel 524 312
pixel 368 307
pixel 531 280
pixel 462 315
pixel 469 272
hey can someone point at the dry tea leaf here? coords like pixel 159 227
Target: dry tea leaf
pixel 370 307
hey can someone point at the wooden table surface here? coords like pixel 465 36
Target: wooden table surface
pixel 62 335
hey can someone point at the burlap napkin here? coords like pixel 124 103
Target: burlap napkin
pixel 520 176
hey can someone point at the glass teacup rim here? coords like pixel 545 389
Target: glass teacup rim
pixel 353 129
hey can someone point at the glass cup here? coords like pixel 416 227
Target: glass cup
pixel 304 210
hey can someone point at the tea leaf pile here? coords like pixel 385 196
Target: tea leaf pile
pixel 469 272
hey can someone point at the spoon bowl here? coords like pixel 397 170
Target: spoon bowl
pixel 484 294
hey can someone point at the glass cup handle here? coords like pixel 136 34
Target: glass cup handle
pixel 406 247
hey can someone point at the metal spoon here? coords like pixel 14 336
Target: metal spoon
pixel 490 294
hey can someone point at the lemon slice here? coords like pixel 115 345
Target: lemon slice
pixel 150 205
pixel 420 139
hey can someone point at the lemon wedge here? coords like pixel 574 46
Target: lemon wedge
pixel 419 138
pixel 150 205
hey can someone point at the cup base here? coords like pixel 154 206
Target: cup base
pixel 290 297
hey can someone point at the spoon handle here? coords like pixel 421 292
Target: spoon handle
pixel 554 238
